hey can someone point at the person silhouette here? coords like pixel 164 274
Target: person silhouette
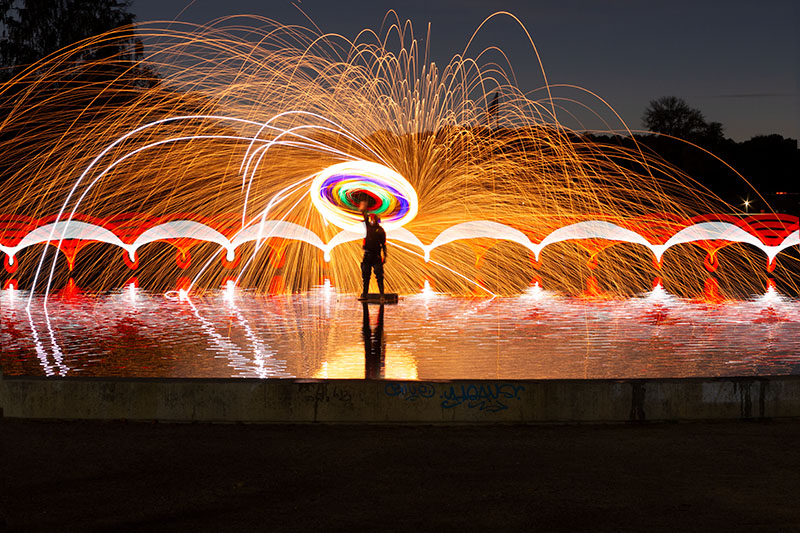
pixel 374 346
pixel 374 252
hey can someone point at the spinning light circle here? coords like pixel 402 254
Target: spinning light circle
pixel 338 190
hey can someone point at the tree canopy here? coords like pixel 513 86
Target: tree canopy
pixel 33 29
pixel 672 116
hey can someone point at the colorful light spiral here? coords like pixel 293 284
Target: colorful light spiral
pixel 338 190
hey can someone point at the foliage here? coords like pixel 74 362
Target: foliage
pixel 672 116
pixel 34 29
pixel 769 163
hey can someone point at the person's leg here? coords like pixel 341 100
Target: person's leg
pixel 379 275
pixel 365 275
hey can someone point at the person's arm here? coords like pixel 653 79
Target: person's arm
pixel 363 208
pixel 383 247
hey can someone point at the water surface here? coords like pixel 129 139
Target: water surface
pixel 323 334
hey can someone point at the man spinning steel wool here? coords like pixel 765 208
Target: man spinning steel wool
pixel 374 244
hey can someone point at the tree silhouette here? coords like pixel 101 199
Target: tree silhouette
pixel 83 84
pixel 672 116
pixel 33 29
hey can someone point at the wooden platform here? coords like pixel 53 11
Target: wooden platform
pixel 375 298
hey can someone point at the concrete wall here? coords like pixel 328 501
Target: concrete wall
pixel 243 400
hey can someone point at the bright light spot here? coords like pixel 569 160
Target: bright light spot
pixel 230 289
pixel 327 289
pixel 132 291
pixel 771 297
pixel 658 293
pixel 183 294
pixel 536 291
pixel 426 289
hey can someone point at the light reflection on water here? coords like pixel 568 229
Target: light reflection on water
pixel 323 334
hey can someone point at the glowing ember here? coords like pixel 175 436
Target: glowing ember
pixel 249 159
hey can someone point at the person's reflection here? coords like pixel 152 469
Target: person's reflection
pixel 374 346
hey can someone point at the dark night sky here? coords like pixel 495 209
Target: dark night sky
pixel 736 60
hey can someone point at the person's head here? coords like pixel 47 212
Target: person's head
pixel 374 219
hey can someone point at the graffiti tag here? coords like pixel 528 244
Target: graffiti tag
pixel 490 397
pixel 410 391
pixel 320 392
